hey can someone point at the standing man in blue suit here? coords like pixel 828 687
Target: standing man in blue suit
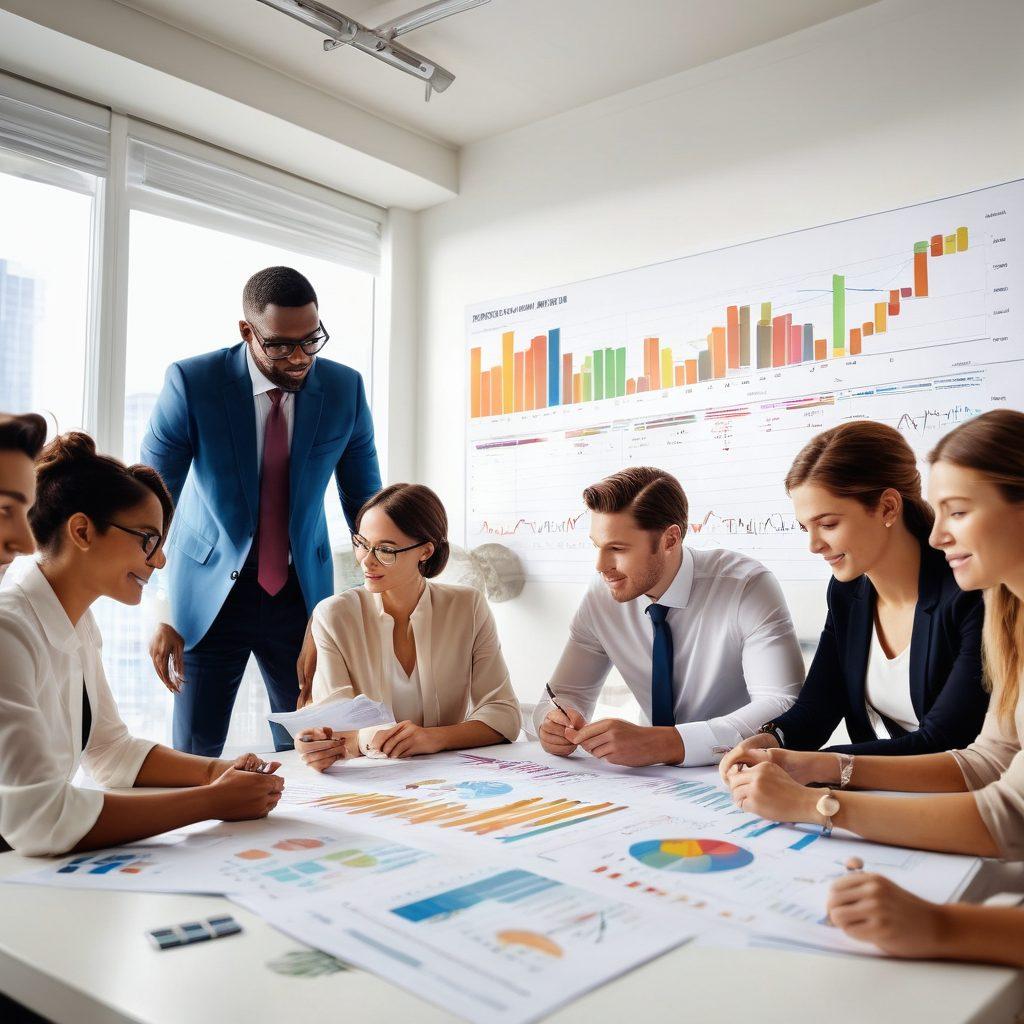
pixel 247 439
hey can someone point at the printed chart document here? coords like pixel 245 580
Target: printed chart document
pixel 491 944
pixel 339 715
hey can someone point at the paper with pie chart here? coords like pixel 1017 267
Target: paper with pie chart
pixel 490 944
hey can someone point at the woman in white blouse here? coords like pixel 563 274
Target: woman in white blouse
pixel 428 650
pixel 99 526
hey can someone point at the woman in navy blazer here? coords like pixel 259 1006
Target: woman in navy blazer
pixel 856 491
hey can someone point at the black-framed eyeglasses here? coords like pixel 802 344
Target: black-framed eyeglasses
pixel 283 349
pixel 150 541
pixel 384 553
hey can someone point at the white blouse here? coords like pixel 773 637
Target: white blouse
pixel 887 689
pixel 45 660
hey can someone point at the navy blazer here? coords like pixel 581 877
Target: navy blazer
pixel 945 670
pixel 202 440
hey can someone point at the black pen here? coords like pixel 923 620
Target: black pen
pixel 554 700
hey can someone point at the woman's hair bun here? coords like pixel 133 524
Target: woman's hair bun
pixel 64 448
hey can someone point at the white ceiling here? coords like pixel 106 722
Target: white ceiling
pixel 515 61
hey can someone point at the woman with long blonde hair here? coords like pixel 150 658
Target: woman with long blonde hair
pixel 976 488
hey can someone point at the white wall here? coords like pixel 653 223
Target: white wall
pixel 903 101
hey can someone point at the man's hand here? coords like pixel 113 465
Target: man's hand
pixel 553 729
pixel 305 668
pixel 167 649
pixel 619 742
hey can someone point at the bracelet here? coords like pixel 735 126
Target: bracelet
pixel 771 729
pixel 845 769
pixel 827 806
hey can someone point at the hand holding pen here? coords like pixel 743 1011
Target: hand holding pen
pixel 552 730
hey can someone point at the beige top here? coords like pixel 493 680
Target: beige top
pixel 993 767
pixel 463 676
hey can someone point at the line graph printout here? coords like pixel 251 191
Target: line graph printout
pixel 719 367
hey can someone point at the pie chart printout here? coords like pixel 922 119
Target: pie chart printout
pixel 694 856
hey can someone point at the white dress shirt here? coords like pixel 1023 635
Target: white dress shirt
pixel 406 695
pixel 887 689
pixel 43 663
pixel 262 401
pixel 736 662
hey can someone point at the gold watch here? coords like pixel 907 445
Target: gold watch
pixel 827 806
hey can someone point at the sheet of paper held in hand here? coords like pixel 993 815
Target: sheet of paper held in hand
pixel 339 715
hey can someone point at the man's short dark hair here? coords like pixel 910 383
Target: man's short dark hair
pixel 276 286
pixel 25 433
pixel 654 498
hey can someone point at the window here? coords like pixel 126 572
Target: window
pixel 107 279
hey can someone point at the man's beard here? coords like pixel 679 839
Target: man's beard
pixel 281 379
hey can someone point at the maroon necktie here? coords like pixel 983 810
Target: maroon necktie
pixel 273 528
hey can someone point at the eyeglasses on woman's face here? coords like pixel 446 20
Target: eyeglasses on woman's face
pixel 150 541
pixel 386 554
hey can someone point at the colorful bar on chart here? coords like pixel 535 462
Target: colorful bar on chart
pixel 961 239
pixel 894 302
pixel 577 388
pixel 568 392
pixel 630 386
pixel 808 353
pixel 497 391
pixel 529 384
pixel 780 338
pixel 652 364
pixel 691 371
pixel 597 369
pixel 554 381
pixel 732 337
pixel 518 383
pixel 937 247
pixel 507 371
pixel 764 345
pixel 540 371
pixel 838 310
pixel 587 380
pixel 620 371
pixel 704 365
pixel 820 348
pixel 795 352
pixel 868 328
pixel 744 336
pixel 880 311
pixel 680 376
pixel 474 382
pixel 485 393
pixel 855 341
pixel 949 246
pixel 920 269
pixel 718 355
pixel 906 292
pixel 667 377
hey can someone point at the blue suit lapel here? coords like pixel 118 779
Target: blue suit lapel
pixel 241 413
pixel 308 405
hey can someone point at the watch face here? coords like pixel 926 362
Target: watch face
pixel 828 805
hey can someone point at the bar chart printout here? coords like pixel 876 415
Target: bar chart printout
pixel 488 944
pixel 719 367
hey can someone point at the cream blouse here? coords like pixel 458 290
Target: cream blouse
pixel 463 676
pixel 993 767
pixel 44 661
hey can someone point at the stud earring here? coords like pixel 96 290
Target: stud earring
pixel 887 525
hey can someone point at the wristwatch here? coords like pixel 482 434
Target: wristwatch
pixel 774 731
pixel 826 807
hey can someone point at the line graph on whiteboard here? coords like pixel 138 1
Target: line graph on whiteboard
pixel 719 367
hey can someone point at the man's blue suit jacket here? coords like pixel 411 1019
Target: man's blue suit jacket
pixel 202 440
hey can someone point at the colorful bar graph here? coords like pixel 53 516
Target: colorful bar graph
pixel 544 376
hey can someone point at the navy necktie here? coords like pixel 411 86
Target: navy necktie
pixel 662 698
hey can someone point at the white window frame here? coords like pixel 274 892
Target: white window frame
pixel 107 324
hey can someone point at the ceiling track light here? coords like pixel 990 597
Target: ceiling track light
pixel 379 42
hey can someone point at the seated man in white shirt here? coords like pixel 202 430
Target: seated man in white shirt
pixel 703 638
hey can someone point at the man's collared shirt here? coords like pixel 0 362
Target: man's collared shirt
pixel 736 664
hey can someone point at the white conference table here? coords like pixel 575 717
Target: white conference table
pixel 82 957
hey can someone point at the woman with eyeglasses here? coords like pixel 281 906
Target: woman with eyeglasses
pixel 99 526
pixel 428 650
